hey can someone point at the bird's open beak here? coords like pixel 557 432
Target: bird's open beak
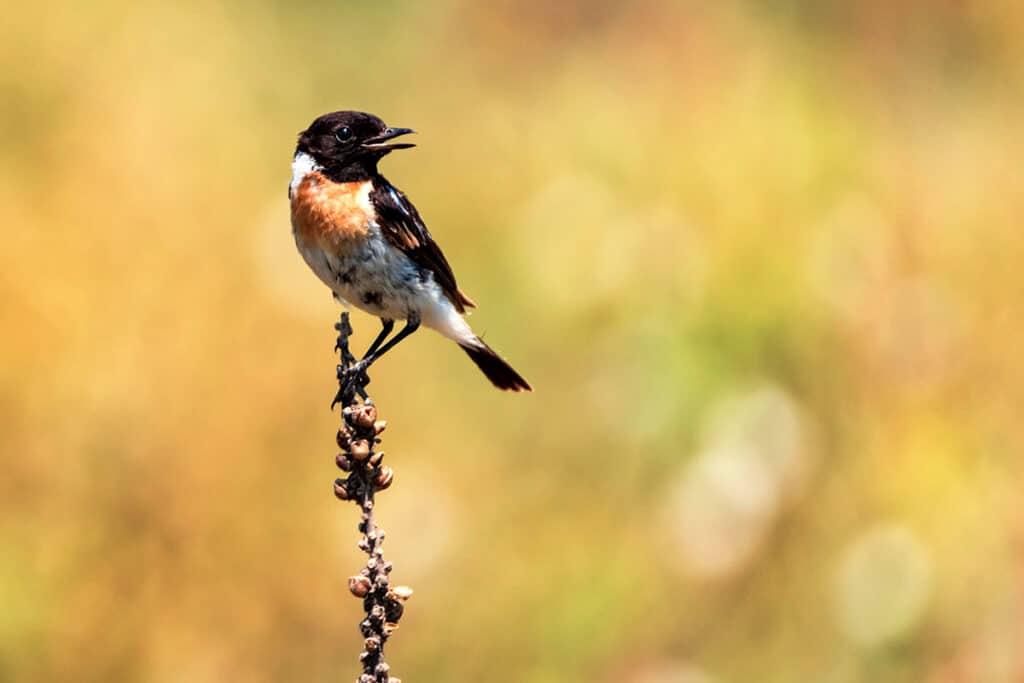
pixel 381 144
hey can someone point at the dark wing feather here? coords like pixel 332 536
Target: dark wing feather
pixel 404 229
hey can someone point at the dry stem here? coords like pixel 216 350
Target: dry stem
pixel 358 437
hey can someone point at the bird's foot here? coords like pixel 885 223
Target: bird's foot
pixel 347 359
pixel 352 380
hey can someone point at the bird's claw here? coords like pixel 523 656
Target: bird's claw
pixel 352 380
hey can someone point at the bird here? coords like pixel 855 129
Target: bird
pixel 366 241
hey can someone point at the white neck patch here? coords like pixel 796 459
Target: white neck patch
pixel 302 165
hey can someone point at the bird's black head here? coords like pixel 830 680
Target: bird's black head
pixel 348 144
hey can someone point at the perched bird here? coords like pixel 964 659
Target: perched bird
pixel 365 240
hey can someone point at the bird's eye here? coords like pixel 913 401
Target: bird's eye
pixel 343 134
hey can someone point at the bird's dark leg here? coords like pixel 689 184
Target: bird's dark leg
pixel 355 373
pixel 411 325
pixel 358 370
pixel 388 326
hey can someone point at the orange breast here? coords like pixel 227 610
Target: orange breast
pixel 333 216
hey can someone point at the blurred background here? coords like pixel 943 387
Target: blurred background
pixel 761 261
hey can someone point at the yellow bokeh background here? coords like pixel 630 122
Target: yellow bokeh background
pixel 761 262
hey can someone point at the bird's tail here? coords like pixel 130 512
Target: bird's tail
pixel 497 370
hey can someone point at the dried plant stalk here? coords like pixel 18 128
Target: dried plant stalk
pixel 357 438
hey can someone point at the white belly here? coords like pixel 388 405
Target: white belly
pixel 379 279
pixel 376 278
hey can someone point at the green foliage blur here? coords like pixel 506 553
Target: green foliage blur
pixel 761 261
